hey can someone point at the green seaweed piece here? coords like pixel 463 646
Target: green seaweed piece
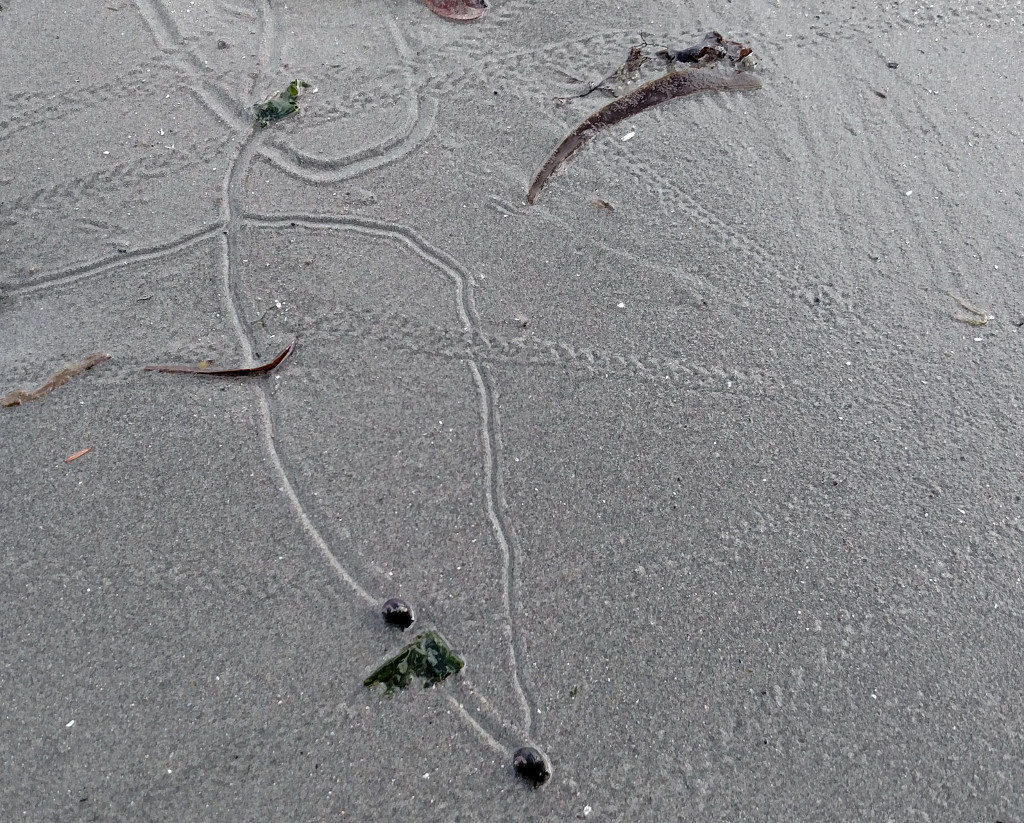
pixel 276 108
pixel 428 657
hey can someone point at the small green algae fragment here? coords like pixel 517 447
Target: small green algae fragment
pixel 287 102
pixel 427 657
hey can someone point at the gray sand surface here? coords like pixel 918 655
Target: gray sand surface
pixel 715 494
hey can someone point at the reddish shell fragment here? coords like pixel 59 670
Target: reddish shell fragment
pixel 458 9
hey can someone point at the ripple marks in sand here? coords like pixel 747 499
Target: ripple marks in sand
pixel 130 174
pixel 26 110
pixel 403 333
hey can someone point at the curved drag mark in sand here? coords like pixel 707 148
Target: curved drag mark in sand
pixel 499 726
pixel 270 45
pixel 486 736
pixel 267 421
pixel 80 272
pixel 231 209
pixel 490 424
pixel 312 169
pixel 230 206
pixel 170 41
pixel 219 103
pixel 301 165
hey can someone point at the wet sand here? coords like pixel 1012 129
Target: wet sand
pixel 718 492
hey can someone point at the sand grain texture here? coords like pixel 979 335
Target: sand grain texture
pixel 716 497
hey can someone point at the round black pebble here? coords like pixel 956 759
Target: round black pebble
pixel 398 613
pixel 531 765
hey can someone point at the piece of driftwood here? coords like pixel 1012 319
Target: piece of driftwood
pixel 660 90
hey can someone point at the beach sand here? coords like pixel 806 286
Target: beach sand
pixel 716 493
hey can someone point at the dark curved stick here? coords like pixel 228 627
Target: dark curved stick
pixel 261 369
pixel 660 90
